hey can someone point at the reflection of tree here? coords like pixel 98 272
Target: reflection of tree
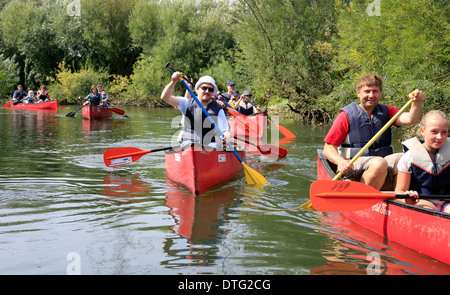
pixel 200 220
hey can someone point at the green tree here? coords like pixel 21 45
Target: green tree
pixel 191 35
pixel 105 29
pixel 407 44
pixel 9 76
pixel 285 50
pixel 26 31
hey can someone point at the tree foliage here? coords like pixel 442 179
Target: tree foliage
pixel 305 56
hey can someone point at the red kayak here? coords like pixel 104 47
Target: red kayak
pixel 423 230
pixel 200 169
pixel 92 112
pixel 48 105
pixel 252 126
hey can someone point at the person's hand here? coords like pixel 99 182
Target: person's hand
pixel 344 167
pixel 413 194
pixel 176 76
pixel 226 138
pixel 221 103
pixel 417 96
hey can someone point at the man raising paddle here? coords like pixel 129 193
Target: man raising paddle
pixel 196 127
pixel 356 125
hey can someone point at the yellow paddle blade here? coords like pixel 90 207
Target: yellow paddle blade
pixel 307 205
pixel 252 176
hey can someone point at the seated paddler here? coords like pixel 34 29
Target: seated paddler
pixel 197 128
pixel 357 124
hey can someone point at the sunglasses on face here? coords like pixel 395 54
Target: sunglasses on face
pixel 204 88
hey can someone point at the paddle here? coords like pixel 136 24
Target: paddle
pixel 117 111
pixel 7 105
pixel 283 130
pixel 126 155
pixel 242 120
pixel 338 195
pixel 267 149
pixel 72 114
pixel 251 175
pixel 307 205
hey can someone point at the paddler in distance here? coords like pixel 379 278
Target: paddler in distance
pixel 196 126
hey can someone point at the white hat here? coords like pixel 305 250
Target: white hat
pixel 207 79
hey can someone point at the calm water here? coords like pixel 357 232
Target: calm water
pixel 62 210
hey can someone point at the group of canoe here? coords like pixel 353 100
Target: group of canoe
pixel 89 112
pixel 198 169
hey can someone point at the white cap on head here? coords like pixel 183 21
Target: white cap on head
pixel 207 79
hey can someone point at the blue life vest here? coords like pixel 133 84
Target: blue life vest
pixel 245 111
pixel 94 99
pixel 428 177
pixel 362 129
pixel 197 127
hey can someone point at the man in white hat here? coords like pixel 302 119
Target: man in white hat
pixel 196 126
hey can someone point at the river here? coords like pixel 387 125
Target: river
pixel 62 211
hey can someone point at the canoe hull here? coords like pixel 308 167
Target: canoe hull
pixel 48 105
pixel 199 169
pixel 423 230
pixel 253 126
pixel 92 112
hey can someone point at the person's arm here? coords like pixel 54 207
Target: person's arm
pixel 403 182
pixel 336 135
pixel 223 125
pixel 167 92
pixel 331 152
pixel 415 113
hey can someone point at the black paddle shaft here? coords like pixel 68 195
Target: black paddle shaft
pixel 184 77
pixel 72 114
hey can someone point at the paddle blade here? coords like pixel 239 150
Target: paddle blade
pixel 308 206
pixel 7 105
pixel 117 111
pixel 337 195
pixel 252 176
pixel 283 130
pixel 122 156
pixel 272 151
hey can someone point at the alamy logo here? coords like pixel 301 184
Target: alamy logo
pixel 74 266
pixel 374 8
pixel 73 7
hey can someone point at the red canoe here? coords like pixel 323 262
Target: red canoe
pixel 423 230
pixel 199 169
pixel 252 126
pixel 92 112
pixel 48 105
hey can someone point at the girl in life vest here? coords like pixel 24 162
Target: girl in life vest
pixel 425 166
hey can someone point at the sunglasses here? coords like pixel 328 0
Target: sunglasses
pixel 204 88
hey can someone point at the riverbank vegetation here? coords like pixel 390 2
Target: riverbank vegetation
pixel 299 57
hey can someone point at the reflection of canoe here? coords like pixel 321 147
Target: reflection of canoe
pixel 199 169
pixel 48 105
pixel 253 126
pixel 92 112
pixel 354 249
pixel 200 218
pixel 423 230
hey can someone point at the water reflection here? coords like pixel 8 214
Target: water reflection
pixel 201 220
pixel 57 196
pixel 353 249
pixel 125 190
pixel 103 124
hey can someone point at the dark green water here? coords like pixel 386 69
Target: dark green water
pixel 62 210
